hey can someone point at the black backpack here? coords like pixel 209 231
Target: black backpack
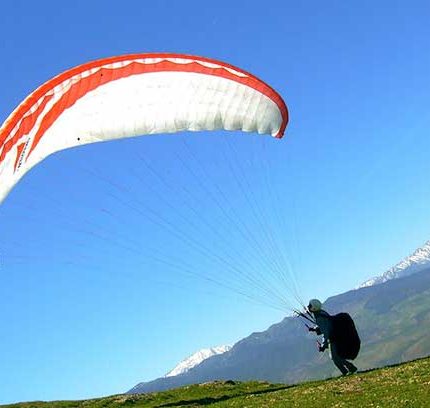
pixel 345 336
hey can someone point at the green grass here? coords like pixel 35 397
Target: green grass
pixel 404 385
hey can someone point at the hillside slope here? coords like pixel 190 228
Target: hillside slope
pixel 404 385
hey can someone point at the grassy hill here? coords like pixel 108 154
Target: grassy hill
pixel 404 385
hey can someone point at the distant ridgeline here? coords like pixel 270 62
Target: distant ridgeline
pixel 392 318
pixel 418 261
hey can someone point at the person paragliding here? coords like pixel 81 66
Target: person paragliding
pixel 339 334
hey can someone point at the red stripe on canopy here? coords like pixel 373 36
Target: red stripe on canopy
pixel 105 75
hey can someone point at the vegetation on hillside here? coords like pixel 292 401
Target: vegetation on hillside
pixel 404 385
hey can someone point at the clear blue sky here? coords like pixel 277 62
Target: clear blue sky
pixel 87 306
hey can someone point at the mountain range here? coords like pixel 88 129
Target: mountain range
pixel 392 314
pixel 413 263
pixel 196 359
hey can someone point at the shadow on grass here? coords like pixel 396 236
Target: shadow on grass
pixel 213 400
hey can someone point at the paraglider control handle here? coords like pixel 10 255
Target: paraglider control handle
pixel 321 347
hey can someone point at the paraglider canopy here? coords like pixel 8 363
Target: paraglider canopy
pixel 134 95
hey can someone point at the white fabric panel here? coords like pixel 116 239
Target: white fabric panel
pixel 143 104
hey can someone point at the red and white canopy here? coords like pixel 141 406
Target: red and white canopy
pixel 134 95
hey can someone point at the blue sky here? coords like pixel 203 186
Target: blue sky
pixel 95 296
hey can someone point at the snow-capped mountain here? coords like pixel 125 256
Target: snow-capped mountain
pixel 196 359
pixel 182 368
pixel 414 263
